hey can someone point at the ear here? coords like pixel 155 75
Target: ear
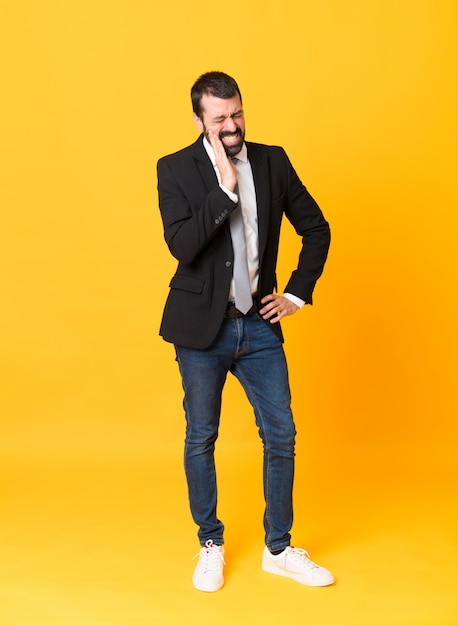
pixel 198 122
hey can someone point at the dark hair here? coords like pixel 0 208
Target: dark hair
pixel 217 84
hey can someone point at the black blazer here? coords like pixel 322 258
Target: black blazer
pixel 195 212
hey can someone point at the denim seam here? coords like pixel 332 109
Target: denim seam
pixel 252 398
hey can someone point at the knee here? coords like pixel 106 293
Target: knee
pixel 280 441
pixel 201 440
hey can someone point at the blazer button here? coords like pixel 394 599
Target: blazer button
pixel 217 221
pixel 228 263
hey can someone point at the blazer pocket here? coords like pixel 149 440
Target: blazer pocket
pixel 187 283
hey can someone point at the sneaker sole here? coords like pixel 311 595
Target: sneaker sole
pixel 270 568
pixel 208 589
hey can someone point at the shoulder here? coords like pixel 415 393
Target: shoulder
pixel 262 150
pixel 274 157
pixel 195 150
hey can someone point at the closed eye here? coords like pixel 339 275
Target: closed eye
pixel 237 115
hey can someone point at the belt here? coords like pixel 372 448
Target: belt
pixel 232 312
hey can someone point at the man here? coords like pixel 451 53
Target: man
pixel 222 201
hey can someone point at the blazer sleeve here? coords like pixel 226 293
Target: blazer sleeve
pixel 309 223
pixel 192 214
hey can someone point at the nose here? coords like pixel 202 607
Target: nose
pixel 230 125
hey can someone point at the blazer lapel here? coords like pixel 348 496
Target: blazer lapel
pixel 204 164
pixel 207 171
pixel 259 167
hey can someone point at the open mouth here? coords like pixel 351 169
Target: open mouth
pixel 231 139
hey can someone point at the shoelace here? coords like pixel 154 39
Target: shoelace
pixel 301 556
pixel 212 555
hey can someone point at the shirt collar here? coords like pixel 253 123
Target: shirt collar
pixel 242 155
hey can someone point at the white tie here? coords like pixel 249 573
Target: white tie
pixel 242 287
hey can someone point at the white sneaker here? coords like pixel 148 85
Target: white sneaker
pixel 296 564
pixel 208 575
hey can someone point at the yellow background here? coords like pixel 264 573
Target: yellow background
pixel 95 527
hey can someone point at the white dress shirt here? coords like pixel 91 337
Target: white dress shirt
pixel 247 193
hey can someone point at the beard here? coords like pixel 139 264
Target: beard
pixel 234 149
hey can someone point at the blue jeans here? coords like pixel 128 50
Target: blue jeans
pixel 247 348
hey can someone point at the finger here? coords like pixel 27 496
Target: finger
pixel 216 144
pixel 277 315
pixel 214 141
pixel 270 298
pixel 270 310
